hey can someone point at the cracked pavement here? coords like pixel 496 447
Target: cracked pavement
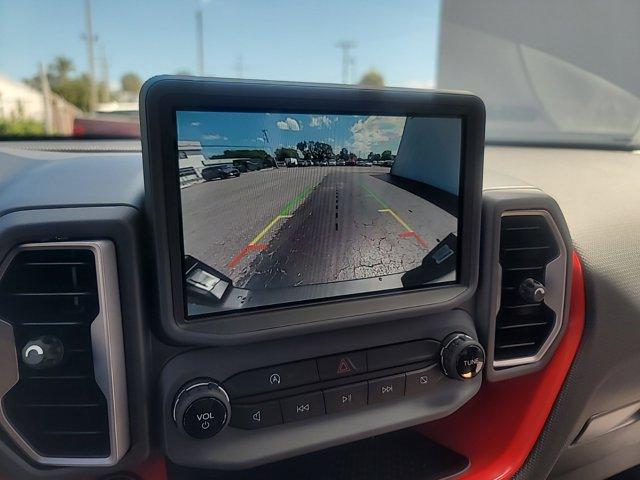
pixel 336 233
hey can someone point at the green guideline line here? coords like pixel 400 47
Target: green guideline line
pixel 291 204
pixel 375 196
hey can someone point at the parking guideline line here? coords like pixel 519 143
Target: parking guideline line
pixel 375 196
pixel 285 212
pixel 266 229
pixel 397 217
pixel 409 232
pixel 288 207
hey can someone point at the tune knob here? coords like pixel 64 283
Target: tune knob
pixel 201 408
pixel 461 356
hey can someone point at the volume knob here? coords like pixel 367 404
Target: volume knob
pixel 461 356
pixel 201 408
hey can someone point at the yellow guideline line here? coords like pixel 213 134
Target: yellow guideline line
pixel 267 228
pixel 395 215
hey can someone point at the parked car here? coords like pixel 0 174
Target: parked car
pixel 340 163
pixel 350 163
pixel 323 163
pixel 220 171
pixel 246 165
pixel 332 163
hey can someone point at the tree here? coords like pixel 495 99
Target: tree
pixel 304 149
pixel 74 90
pixel 60 69
pixel 386 155
pixel 130 82
pixel 344 154
pixel 321 150
pixel 284 153
pixel 372 78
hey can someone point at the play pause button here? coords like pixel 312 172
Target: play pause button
pixel 345 398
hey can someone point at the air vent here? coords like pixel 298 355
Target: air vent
pixel 529 243
pixel 61 413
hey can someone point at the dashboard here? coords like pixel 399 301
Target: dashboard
pixel 105 372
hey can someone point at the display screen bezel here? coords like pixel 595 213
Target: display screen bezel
pixel 163 97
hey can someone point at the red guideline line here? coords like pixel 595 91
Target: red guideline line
pixel 410 233
pixel 249 248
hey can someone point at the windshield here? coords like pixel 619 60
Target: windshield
pixel 549 72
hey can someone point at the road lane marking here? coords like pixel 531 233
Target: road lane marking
pixel 285 213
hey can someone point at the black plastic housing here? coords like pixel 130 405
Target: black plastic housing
pixel 162 96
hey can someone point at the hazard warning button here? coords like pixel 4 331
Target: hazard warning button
pixel 344 365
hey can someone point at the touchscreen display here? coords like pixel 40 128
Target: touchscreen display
pixel 294 207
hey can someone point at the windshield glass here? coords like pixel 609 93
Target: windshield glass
pixel 549 72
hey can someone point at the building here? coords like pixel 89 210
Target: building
pixel 19 101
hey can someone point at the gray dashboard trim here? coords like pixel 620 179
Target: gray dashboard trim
pixel 108 356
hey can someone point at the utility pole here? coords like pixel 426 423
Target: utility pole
pixel 105 73
pixel 90 38
pixel 199 42
pixel 347 59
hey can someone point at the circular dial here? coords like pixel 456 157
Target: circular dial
pixel 201 408
pixel 461 356
pixel 43 352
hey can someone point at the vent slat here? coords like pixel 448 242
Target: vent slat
pixel 522 325
pixel 60 411
pixel 516 345
pixel 526 247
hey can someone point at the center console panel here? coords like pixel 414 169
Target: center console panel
pixel 299 395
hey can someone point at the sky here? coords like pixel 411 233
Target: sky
pixel 361 134
pixel 275 39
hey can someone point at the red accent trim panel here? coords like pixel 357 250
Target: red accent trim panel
pixel 498 428
pixel 153 469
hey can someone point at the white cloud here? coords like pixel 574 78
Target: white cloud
pixel 320 122
pixel 212 136
pixel 260 139
pixel 195 124
pixel 288 124
pixel 373 131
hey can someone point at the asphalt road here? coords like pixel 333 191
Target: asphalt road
pixel 301 226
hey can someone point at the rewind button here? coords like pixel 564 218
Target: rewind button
pixel 303 406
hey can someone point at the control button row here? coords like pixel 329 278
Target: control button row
pixel 290 375
pixel 334 400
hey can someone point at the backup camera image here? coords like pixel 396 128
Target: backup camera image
pixel 284 207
